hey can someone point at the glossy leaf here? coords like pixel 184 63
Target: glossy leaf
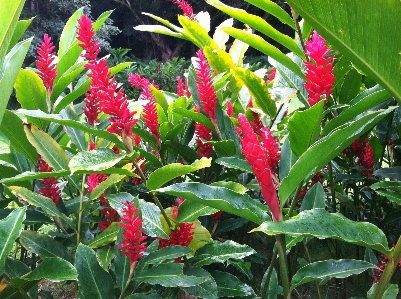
pixel 151 220
pixel 314 199
pixel 235 163
pixel 320 153
pixel 218 252
pixel 196 116
pixel 107 236
pixel 121 263
pixel 19 31
pixel 275 10
pixel 77 136
pixel 44 245
pixel 69 32
pixel 220 198
pixel 63 80
pixel 304 127
pixel 197 34
pixel 190 211
pixel 105 256
pixel 287 159
pixel 110 181
pixel 96 160
pixel 93 281
pixel 348 26
pixel 230 286
pixel 54 269
pixel 10 229
pixel 166 254
pixel 321 224
pixel 329 269
pixel 229 225
pixel 173 170
pixel 390 173
pixel 390 293
pixel 205 290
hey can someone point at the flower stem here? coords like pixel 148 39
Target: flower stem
pixel 282 255
pixel 299 31
pixel 269 273
pixel 388 272
pixel 131 274
pixel 295 199
pixel 81 200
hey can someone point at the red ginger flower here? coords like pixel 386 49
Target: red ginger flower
pixel 49 185
pixel 181 236
pixel 205 87
pixel 272 74
pixel 256 124
pixel 186 8
pixel 364 155
pixel 85 35
pixel 216 216
pixel 263 158
pixel 202 134
pixel 319 71
pixel 132 245
pixel 230 109
pixel 180 87
pixel 45 62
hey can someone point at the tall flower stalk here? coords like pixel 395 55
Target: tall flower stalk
pixel 46 63
pixel 185 7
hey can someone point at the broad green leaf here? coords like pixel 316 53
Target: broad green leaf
pixel 10 229
pixel 205 290
pixel 275 10
pixel 362 103
pixel 390 173
pixel 15 268
pixel 167 253
pixel 329 269
pixel 235 163
pixel 257 88
pixel 224 147
pixel 390 293
pixel 168 275
pixel 314 199
pixel 391 195
pixel 19 31
pixel 236 187
pixel 10 68
pixel 257 42
pixel 230 224
pixel 197 34
pixel 230 286
pixel 304 127
pixel 93 281
pixel 105 256
pixel 198 117
pixel 321 224
pixel 218 252
pixel 47 147
pixel 171 171
pixel 190 211
pixel 77 136
pixel 108 236
pixel 350 25
pixel 103 186
pixel 69 32
pixel 396 186
pixel 350 87
pixel 9 14
pixel 259 24
pixel 121 263
pixel 13 129
pixel 220 198
pixel 116 201
pixel 158 29
pixel 219 60
pixel 43 202
pixel 54 269
pixel 287 159
pixel 95 160
pixel 31 94
pixel 151 220
pixel 44 245
pixel 66 78
pixel 321 152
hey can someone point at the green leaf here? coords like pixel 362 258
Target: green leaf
pixel 69 32
pixel 196 116
pixel 108 236
pixel 95 160
pixel 105 256
pixel 151 220
pixel 235 163
pixel 10 68
pixel 219 60
pixel 321 224
pixel 171 171
pixel 121 263
pixel 391 195
pixel 287 159
pixel 314 199
pixel 103 186
pixel 167 253
pixel 190 211
pixel 205 290
pixel 13 129
pixel 54 269
pixel 329 269
pixel 304 127
pixel 15 268
pixel 259 24
pixel 168 275
pixel 376 23
pixel 257 88
pixel 220 198
pixel 219 252
pixel 43 202
pixel 77 136
pixel 116 200
pixel 390 173
pixel 351 86
pixel 158 29
pixel 325 149
pixel 229 225
pixel 63 80
pixel 10 229
pixel 197 34
pixel 47 147
pixel 390 293
pixel 275 10
pixel 230 286
pixel 19 31
pixel 93 281
pixel 44 246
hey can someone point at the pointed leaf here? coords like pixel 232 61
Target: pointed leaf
pixel 321 224
pixel 93 281
pixel 107 236
pixel 54 269
pixel 314 199
pixel 197 34
pixel 205 290
pixel 10 229
pixel 19 31
pixel 167 253
pixel 230 286
pixel 105 256
pixel 151 220
pixel 329 269
pixel 121 263
pixel 275 10
pixel 69 32
pixel 190 211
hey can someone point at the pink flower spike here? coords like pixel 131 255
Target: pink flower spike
pixel 230 109
pixel 319 71
pixel 85 35
pixel 49 186
pixel 132 245
pixel 180 87
pixel 205 87
pixel 186 8
pixel 45 63
pixel 258 156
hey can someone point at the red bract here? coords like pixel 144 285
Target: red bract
pixel 186 8
pixel 216 216
pixel 49 185
pixel 230 109
pixel 261 157
pixel 85 35
pixel 45 63
pixel 271 75
pixel 205 87
pixel 256 124
pixel 182 236
pixel 319 71
pixel 364 154
pixel 132 245
pixel 180 87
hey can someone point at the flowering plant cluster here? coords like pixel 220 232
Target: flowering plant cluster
pixel 197 193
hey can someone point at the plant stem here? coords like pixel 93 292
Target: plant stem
pixel 295 199
pixel 299 31
pixel 269 273
pixel 282 255
pixel 332 190
pixel 131 274
pixel 81 200
pixel 388 272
